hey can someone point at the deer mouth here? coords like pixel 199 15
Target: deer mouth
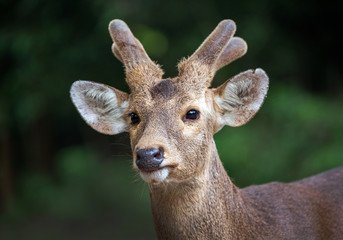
pixel 156 175
pixel 157 169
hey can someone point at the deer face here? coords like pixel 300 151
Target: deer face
pixel 169 130
pixel 171 121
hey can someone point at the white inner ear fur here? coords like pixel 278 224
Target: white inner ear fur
pixel 100 106
pixel 242 97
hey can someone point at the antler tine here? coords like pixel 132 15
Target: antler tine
pixel 213 45
pixel 116 52
pixel 202 64
pixel 131 53
pixel 236 48
pixel 211 48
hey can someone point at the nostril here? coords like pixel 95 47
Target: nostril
pixel 149 158
pixel 159 154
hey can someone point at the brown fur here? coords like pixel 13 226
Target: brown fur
pixel 192 196
pixel 165 89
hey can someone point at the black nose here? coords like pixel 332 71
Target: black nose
pixel 149 159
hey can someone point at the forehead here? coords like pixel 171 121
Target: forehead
pixel 170 92
pixel 165 89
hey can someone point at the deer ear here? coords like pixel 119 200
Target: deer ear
pixel 101 106
pixel 240 97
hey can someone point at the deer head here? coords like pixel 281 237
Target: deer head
pixel 171 121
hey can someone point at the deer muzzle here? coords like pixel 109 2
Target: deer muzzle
pixel 149 159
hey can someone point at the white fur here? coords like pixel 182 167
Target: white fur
pixel 156 176
pixel 99 106
pixel 243 97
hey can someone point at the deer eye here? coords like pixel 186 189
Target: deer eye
pixel 134 118
pixel 191 115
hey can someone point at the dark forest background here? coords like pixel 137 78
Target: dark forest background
pixel 60 179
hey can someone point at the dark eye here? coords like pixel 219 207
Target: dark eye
pixel 134 118
pixel 191 115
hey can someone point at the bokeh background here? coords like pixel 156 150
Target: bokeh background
pixel 59 179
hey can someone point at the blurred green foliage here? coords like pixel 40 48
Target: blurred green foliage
pixel 61 180
pixel 88 198
pixel 295 135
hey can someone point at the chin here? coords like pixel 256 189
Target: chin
pixel 156 176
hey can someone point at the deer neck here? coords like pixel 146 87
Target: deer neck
pixel 209 206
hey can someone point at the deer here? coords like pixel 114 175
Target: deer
pixel 171 123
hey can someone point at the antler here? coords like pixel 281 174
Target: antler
pixel 131 53
pixel 218 50
pixel 236 48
